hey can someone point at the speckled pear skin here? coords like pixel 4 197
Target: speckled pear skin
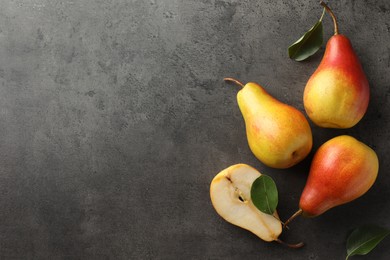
pixel 342 170
pixel 278 134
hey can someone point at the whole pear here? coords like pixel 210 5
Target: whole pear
pixel 337 94
pixel 278 134
pixel 342 170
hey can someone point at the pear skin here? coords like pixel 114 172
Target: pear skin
pixel 278 134
pixel 337 94
pixel 342 170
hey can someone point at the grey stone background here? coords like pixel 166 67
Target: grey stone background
pixel 114 119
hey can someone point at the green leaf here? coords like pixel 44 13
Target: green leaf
pixel 264 194
pixel 365 238
pixel 308 44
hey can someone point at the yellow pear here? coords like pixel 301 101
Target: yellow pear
pixel 278 134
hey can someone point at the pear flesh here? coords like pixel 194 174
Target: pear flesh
pixel 230 195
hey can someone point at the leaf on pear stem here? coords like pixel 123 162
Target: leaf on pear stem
pixel 365 238
pixel 309 43
pixel 264 194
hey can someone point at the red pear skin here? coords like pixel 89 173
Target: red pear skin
pixel 342 170
pixel 337 94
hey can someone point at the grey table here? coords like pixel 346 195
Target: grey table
pixel 114 119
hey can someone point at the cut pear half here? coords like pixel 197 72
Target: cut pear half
pixel 230 195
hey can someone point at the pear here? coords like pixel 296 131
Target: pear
pixel 278 134
pixel 230 193
pixel 337 94
pixel 342 170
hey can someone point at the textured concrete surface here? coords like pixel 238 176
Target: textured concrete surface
pixel 114 119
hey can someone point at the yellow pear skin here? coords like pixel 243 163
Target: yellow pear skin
pixel 279 135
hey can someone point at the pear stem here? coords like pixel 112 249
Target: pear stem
pixel 236 81
pixel 295 246
pixel 296 214
pixel 323 13
pixel 336 26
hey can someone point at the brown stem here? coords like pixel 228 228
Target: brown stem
pixel 236 81
pixel 281 222
pixel 336 26
pixel 296 214
pixel 298 245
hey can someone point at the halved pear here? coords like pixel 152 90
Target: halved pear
pixel 230 193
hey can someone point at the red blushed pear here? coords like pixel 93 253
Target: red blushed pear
pixel 337 94
pixel 342 170
pixel 278 134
